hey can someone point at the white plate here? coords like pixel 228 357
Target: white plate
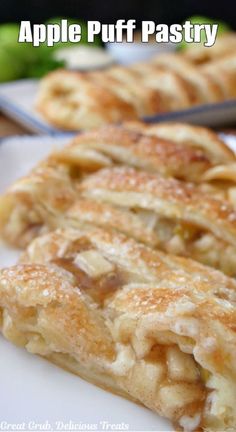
pixel 17 100
pixel 33 390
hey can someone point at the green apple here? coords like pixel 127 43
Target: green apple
pixel 10 66
pixel 19 60
pixel 9 40
pixel 37 70
pixel 9 33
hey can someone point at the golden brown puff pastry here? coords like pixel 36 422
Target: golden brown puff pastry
pixel 225 79
pixel 204 88
pixel 73 101
pixel 184 70
pixel 85 213
pixel 168 82
pixel 224 45
pixel 189 154
pixel 218 180
pixel 146 101
pixel 170 89
pixel 189 136
pixel 33 200
pixel 221 173
pixel 222 177
pixel 154 328
pixel 223 72
pixel 176 92
pixel 118 145
pixel 184 220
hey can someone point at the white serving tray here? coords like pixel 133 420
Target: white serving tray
pixel 32 389
pixel 17 100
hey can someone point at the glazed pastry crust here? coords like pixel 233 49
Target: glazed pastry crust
pixel 128 86
pixel 181 200
pixel 114 145
pixel 163 333
pixel 34 201
pixel 85 213
pixel 187 135
pixel 183 219
pixel 223 72
pixel 171 149
pixel 204 89
pixel 176 92
pixel 71 101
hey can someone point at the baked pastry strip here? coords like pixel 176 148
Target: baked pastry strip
pixel 33 201
pixel 50 189
pixel 118 145
pixel 176 92
pixel 179 150
pixel 127 85
pixel 181 218
pixel 204 88
pixel 223 72
pixel 173 149
pixel 185 152
pixel 221 177
pixel 154 328
pixel 188 136
pixel 73 101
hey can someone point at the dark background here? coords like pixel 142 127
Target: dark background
pixel 161 11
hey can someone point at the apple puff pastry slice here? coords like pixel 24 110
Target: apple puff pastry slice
pixel 128 85
pixel 120 145
pixel 33 201
pixel 153 328
pixel 223 72
pixel 180 217
pixel 178 150
pixel 204 89
pixel 72 101
pixel 221 177
pixel 189 136
pixel 176 92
